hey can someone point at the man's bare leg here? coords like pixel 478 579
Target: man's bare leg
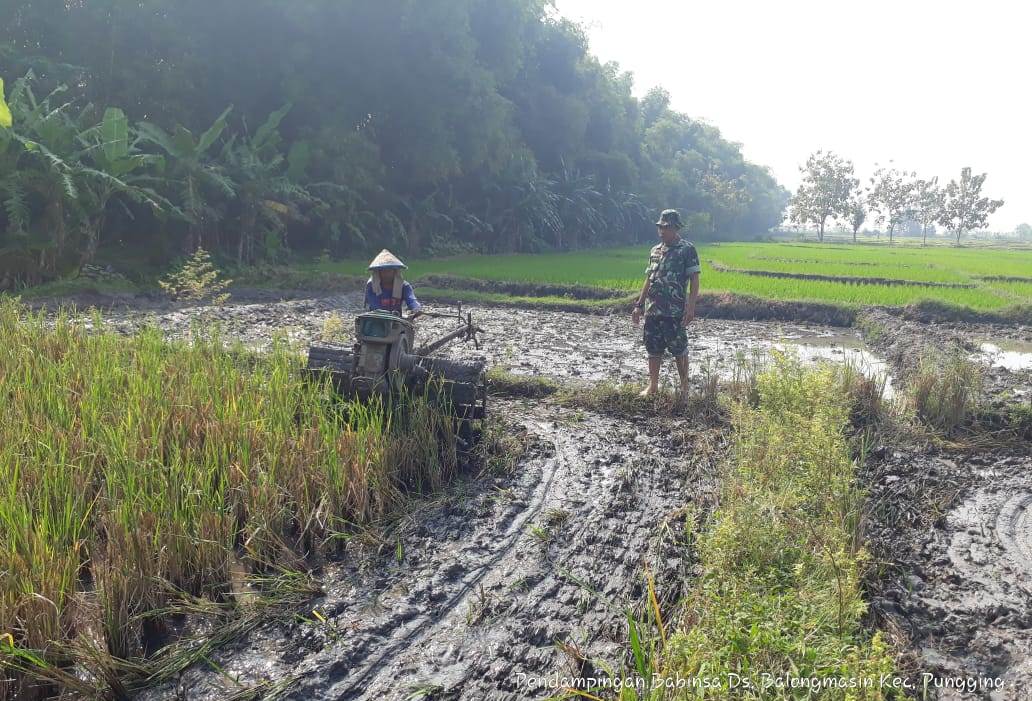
pixel 654 363
pixel 682 370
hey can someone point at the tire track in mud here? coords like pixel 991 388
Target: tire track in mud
pixel 355 678
pixel 478 598
pixel 957 530
pixel 1014 526
pixel 444 652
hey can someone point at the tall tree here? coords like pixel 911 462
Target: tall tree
pixel 892 197
pixel 824 193
pixel 928 201
pixel 856 210
pixel 964 208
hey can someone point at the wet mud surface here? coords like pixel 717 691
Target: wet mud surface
pixel 561 345
pixel 951 528
pixel 527 573
pixel 955 534
pixel 506 578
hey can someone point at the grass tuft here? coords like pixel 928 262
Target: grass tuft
pixel 945 390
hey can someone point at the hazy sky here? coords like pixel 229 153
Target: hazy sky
pixel 933 86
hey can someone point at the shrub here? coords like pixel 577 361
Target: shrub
pixel 196 281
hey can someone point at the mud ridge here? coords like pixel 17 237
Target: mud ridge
pixel 523 289
pixel 847 279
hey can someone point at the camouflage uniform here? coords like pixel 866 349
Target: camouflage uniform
pixel 669 271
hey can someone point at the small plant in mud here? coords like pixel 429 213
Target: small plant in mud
pixel 425 692
pixel 556 517
pixel 871 330
pixel 198 280
pixel 945 390
pixel 541 533
pixel 481 607
pixel 866 394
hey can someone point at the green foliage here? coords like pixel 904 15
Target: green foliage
pixel 490 128
pixel 894 197
pixel 6 120
pixel 964 208
pixel 197 280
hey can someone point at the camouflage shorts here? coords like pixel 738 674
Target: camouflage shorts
pixel 665 333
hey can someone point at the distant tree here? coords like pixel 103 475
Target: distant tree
pixel 892 196
pixel 856 211
pixel 964 208
pixel 655 103
pixel 827 183
pixel 928 202
pixel 1024 231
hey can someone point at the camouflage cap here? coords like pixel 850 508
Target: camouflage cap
pixel 670 217
pixel 386 260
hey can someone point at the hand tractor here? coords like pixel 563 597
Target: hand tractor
pixel 385 360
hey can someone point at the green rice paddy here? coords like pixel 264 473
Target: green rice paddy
pixel 623 269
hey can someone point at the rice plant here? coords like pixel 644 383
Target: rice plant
pixel 138 471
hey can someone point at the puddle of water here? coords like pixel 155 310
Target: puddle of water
pixel 1012 355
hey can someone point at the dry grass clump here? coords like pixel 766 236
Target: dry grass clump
pixel 945 390
pixel 136 471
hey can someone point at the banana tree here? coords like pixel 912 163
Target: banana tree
pixel 38 169
pixel 200 187
pixel 268 194
pixel 117 170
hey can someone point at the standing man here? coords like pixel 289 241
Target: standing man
pixel 666 301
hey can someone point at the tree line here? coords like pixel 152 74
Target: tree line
pixel 259 129
pixel 830 191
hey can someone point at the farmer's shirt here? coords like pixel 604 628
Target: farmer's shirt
pixel 388 303
pixel 670 268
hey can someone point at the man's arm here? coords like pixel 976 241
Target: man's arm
pixel 640 302
pixel 693 295
pixel 410 300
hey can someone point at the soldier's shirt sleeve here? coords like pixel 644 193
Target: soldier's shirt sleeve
pixel 691 260
pixel 410 298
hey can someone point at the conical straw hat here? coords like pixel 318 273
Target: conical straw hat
pixel 386 259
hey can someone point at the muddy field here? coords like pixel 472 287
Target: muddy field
pixel 510 577
pixel 561 345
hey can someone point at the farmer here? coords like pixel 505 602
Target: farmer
pixel 387 288
pixel 673 266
